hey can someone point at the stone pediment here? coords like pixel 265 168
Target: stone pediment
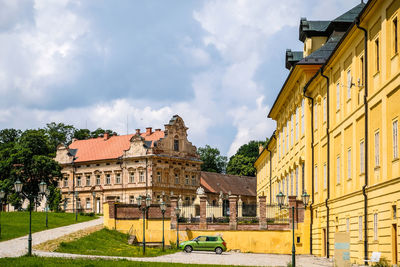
pixel 137 147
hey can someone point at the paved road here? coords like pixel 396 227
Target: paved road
pixel 19 246
pixel 227 258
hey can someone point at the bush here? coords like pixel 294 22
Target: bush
pixel 289 264
pixel 382 263
pixel 89 214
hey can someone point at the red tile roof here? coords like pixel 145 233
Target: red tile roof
pixel 238 185
pixel 102 148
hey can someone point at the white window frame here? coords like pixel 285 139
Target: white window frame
pixel 325 175
pixel 88 204
pixel 316 116
pixel 297 124
pixel 287 136
pixel 98 179
pixel 324 108
pixel 362 157
pixel 349 163
pixel 348 84
pixel 297 181
pixel 132 177
pixel 117 178
pixel 141 176
pixel 377 141
pixel 159 177
pixel 186 179
pixel 291 131
pixel 87 180
pixel 395 131
pixel 338 170
pixel 78 181
pixel 338 96
pixel 193 180
pixel 302 116
pixel 108 178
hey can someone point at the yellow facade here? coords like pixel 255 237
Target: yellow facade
pixel 344 175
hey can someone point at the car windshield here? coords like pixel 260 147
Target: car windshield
pixel 200 238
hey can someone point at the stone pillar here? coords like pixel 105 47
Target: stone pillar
pixel 262 204
pixel 240 208
pixel 292 203
pixel 203 212
pixel 111 209
pixel 174 205
pixel 232 212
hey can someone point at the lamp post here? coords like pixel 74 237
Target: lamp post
pixel 281 199
pixel 143 209
pixel 47 194
pixel 76 194
pixel 163 208
pixel 177 212
pixel 29 195
pixel 2 194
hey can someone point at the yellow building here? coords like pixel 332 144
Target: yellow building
pixel 337 120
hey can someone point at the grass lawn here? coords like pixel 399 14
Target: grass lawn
pixel 108 243
pixel 38 261
pixel 16 224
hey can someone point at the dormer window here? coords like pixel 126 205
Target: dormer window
pixel 176 144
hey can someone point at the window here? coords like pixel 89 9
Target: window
pixel 337 96
pixel 377 54
pixel 394 212
pixel 131 177
pixel 360 228
pixel 287 186
pixel 193 180
pixel 291 183
pixel 302 116
pixel 141 176
pixel 325 175
pixel 78 181
pixel 362 69
pixel 87 203
pixel 347 224
pixel 349 163
pixel 87 180
pixel 316 178
pixel 118 178
pixel 291 131
pixel 108 179
pixel 376 149
pixel 324 109
pixel 349 84
pixel 297 181
pixel 338 170
pixel 176 145
pixel 66 182
pixel 97 179
pixel 316 116
pixel 283 143
pixel 395 143
pixel 186 179
pixel 159 177
pixel 297 124
pixel 287 137
pixel 375 226
pixel 362 165
pixel 395 37
pixel 176 178
pixel 131 199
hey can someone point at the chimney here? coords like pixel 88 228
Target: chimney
pixel 148 131
pixel 158 130
pixel 106 136
pixel 137 131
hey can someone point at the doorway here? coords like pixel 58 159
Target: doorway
pixel 394 243
pixel 98 205
pixel 323 243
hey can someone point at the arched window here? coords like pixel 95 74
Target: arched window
pixel 176 143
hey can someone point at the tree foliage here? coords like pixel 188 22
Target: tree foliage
pixel 242 163
pixel 212 159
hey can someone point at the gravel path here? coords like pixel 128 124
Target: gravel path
pixel 19 246
pixel 227 258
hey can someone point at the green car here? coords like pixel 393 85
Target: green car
pixel 204 243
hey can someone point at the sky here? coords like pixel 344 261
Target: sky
pixel 127 64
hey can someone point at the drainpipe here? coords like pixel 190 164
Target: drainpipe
pixel 270 171
pixel 366 137
pixel 327 162
pixel 312 155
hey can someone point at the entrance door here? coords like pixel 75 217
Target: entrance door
pixel 394 243
pixel 98 205
pixel 323 243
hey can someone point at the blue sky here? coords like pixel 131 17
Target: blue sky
pixel 219 64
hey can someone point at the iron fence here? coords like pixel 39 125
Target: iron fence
pixel 277 215
pixel 249 210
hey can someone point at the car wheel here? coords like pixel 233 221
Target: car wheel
pixel 188 249
pixel 218 250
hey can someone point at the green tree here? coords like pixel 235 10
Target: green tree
pixel 59 133
pixel 242 163
pixel 212 159
pixel 82 134
pixel 99 131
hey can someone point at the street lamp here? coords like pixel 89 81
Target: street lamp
pixel 2 195
pixel 76 194
pixel 18 189
pixel 177 212
pixel 47 194
pixel 163 209
pixel 144 209
pixel 281 199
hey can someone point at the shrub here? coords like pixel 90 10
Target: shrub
pixel 382 263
